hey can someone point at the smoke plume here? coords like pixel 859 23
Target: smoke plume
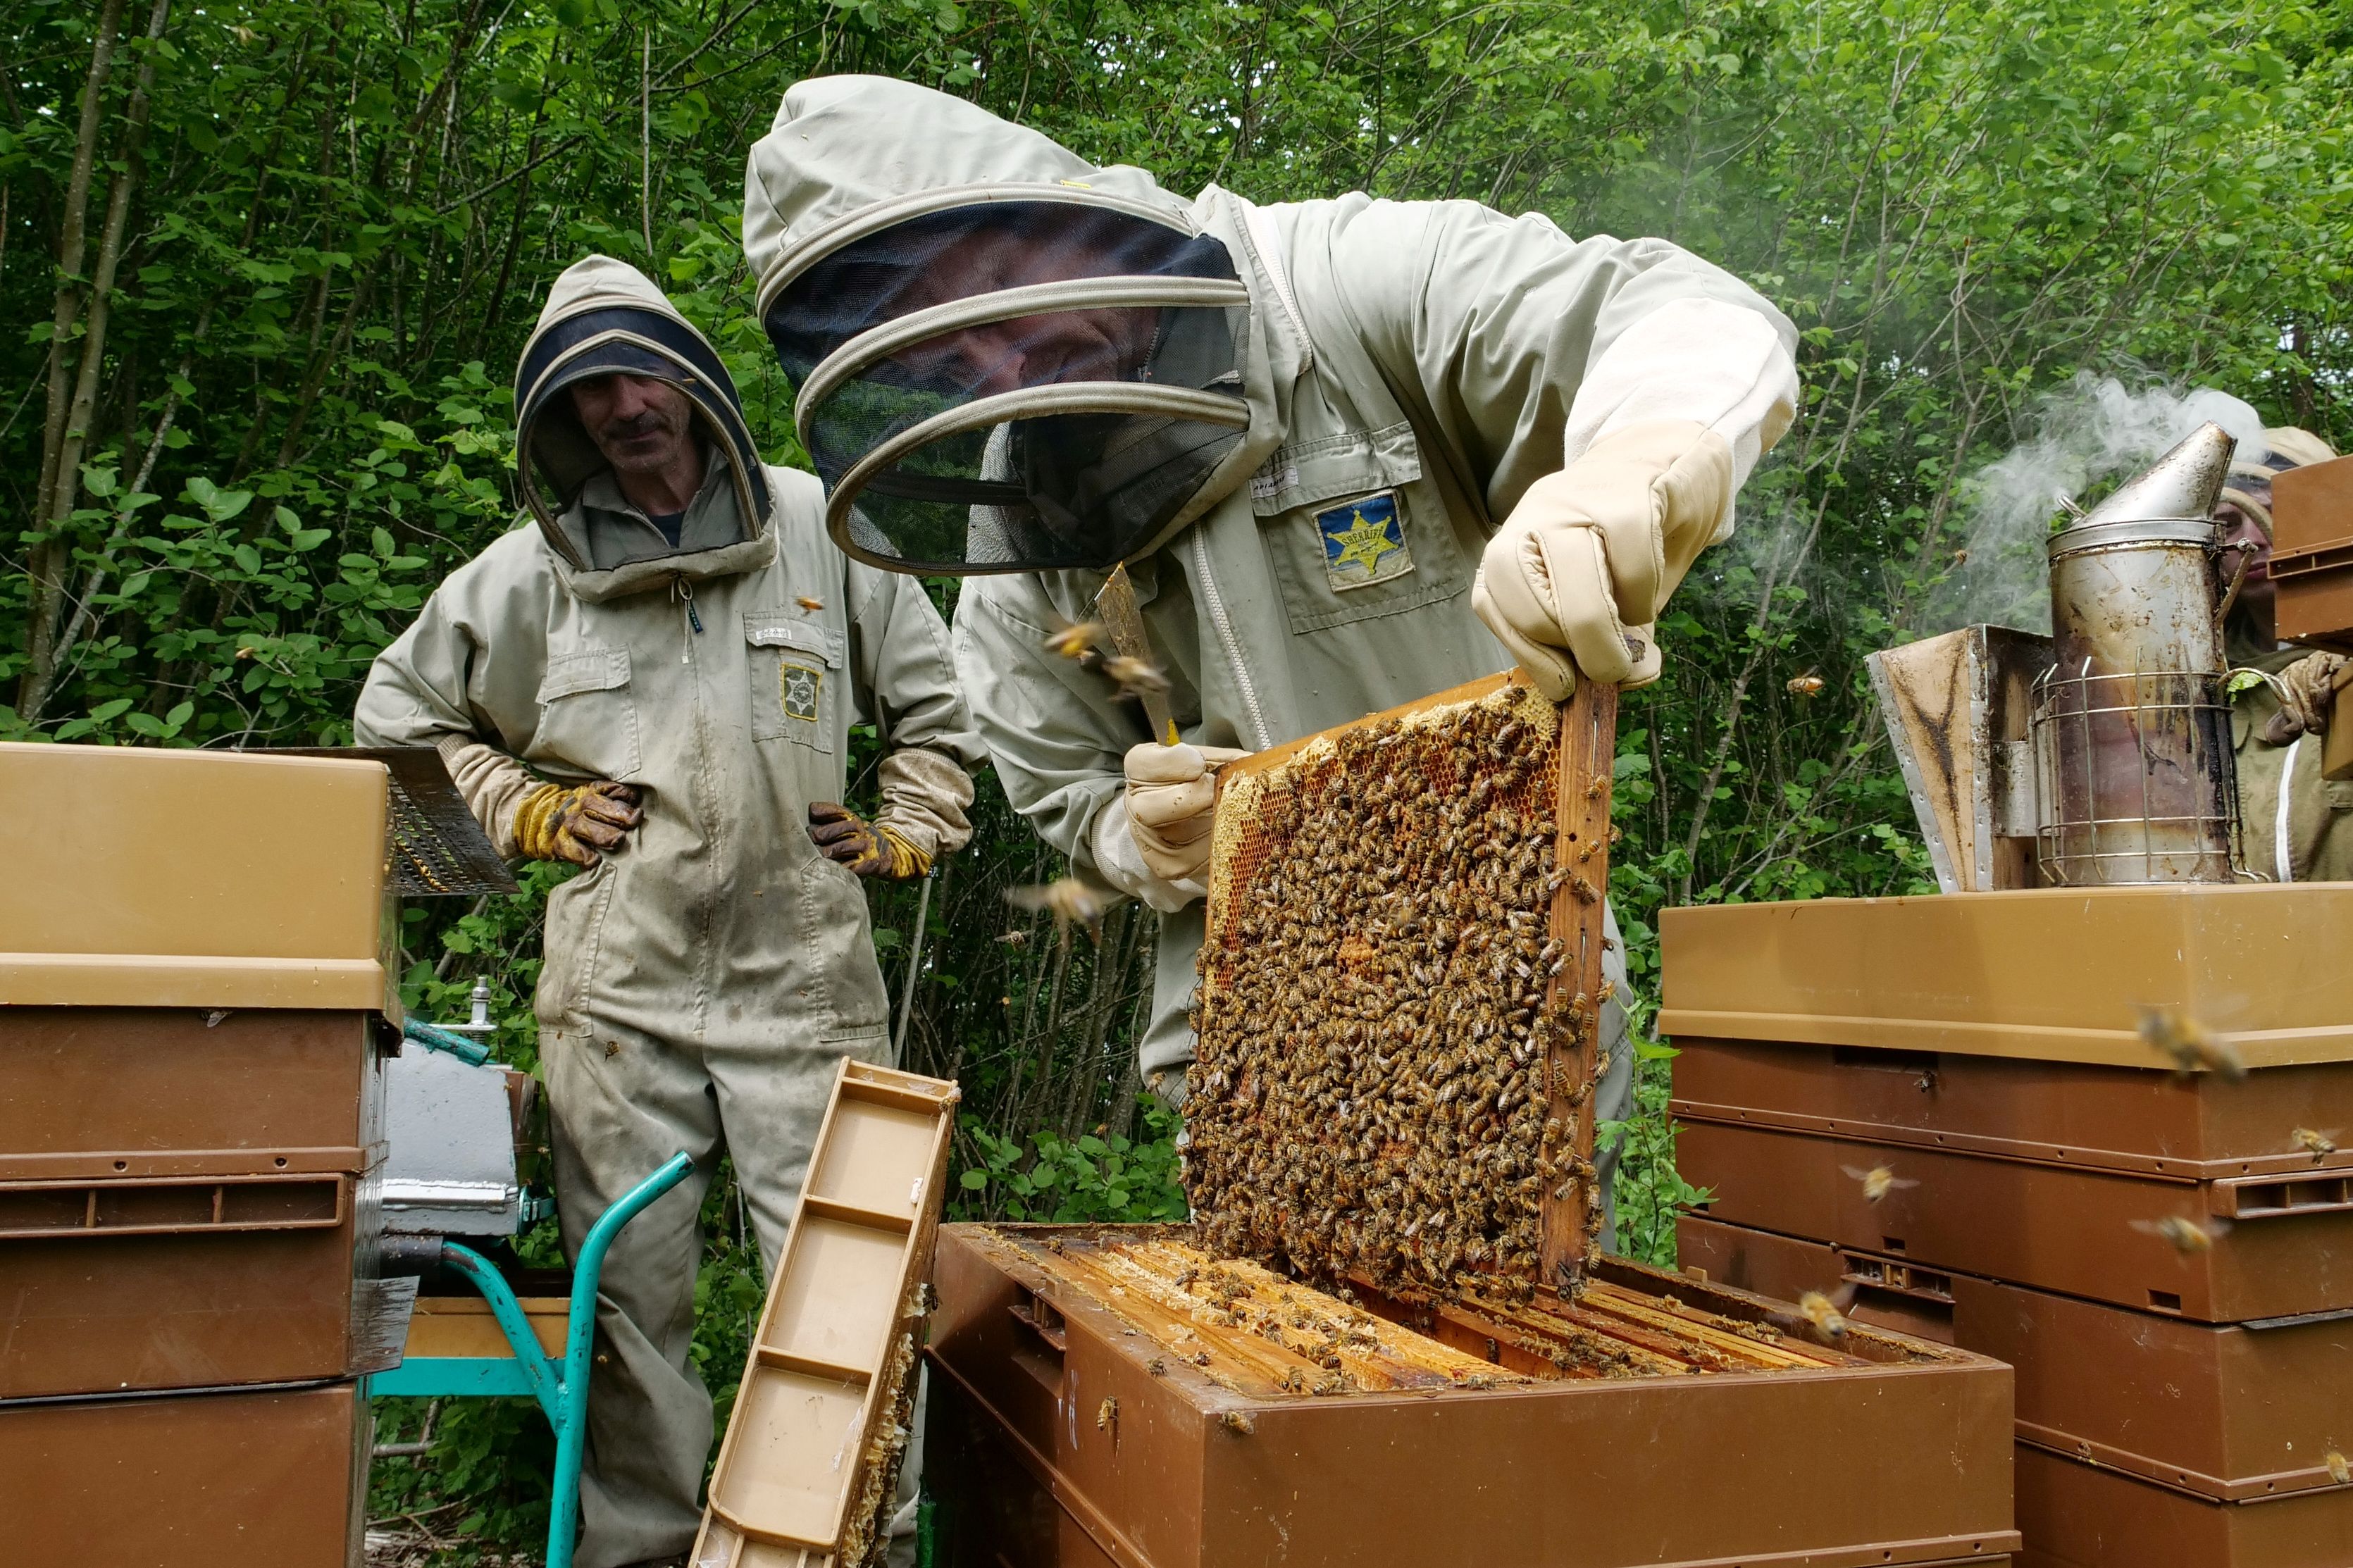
pixel 2089 435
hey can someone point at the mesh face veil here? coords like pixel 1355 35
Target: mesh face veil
pixel 556 457
pixel 1012 377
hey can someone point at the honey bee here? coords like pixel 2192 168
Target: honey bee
pixel 2319 1145
pixel 2189 1044
pixel 1075 640
pixel 1877 1182
pixel 1107 1415
pixel 1824 1313
pixel 1067 899
pixel 2338 1471
pixel 1238 1422
pixel 2185 1235
pixel 805 603
pixel 1806 685
pixel 1136 677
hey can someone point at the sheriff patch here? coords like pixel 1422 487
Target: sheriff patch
pixel 1364 541
pixel 800 686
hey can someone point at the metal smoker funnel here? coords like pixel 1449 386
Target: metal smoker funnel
pixel 2131 724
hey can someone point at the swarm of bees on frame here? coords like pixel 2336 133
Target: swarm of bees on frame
pixel 1373 1090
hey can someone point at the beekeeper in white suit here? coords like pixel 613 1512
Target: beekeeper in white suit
pixel 655 678
pixel 1351 451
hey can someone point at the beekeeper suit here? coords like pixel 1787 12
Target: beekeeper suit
pixel 1316 433
pixel 664 698
pixel 2297 826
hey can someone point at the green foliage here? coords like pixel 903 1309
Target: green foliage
pixel 1096 1178
pixel 1651 1192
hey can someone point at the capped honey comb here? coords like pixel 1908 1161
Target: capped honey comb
pixel 1398 986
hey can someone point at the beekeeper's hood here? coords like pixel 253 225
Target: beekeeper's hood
pixel 2284 447
pixel 1006 358
pixel 605 317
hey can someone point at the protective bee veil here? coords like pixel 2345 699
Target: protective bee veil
pixel 1005 359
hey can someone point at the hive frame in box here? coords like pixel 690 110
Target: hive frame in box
pixel 1068 1428
pixel 1581 754
pixel 808 1479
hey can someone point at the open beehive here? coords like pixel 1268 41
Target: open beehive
pixel 1399 993
pixel 807 1472
pixel 1387 1335
pixel 1107 1395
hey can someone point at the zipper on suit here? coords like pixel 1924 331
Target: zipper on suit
pixel 1225 629
pixel 684 592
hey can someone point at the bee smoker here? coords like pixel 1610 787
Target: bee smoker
pixel 2131 724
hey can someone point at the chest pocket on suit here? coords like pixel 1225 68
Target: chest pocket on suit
pixel 587 714
pixel 1353 530
pixel 797 669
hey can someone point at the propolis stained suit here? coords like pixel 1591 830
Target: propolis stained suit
pixel 701 983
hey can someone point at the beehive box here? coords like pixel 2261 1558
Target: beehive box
pixel 807 1471
pixel 190 1094
pixel 2231 1412
pixel 1106 1395
pixel 1988 1052
pixel 267 1476
pixel 2087 1515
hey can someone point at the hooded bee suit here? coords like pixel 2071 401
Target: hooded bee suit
pixel 1298 424
pixel 701 981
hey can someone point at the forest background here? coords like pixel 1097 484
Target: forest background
pixel 264 269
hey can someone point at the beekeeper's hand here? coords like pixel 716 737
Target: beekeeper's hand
pixel 1574 579
pixel 862 848
pixel 578 823
pixel 1172 796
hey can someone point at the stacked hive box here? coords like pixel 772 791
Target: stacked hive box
pixel 2165 1258
pixel 193 995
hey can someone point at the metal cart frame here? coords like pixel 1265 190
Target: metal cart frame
pixel 559 1384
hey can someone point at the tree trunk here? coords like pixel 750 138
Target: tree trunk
pixel 46 564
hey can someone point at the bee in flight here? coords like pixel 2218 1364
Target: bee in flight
pixel 2190 1044
pixel 1076 640
pixel 1136 677
pixel 1806 685
pixel 2185 1235
pixel 2319 1145
pixel 1827 1316
pixel 1877 1182
pixel 1067 899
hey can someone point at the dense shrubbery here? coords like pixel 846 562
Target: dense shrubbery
pixel 267 264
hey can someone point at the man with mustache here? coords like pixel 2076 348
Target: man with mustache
pixel 656 684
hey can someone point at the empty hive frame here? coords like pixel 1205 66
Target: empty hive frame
pixel 1399 988
pixel 807 1472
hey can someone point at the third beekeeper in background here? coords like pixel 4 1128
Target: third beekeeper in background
pixel 1351 451
pixel 2296 826
pixel 655 678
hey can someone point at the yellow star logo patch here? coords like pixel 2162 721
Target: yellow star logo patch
pixel 1362 544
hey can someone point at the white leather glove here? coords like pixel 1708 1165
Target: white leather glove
pixel 1171 798
pixel 1574 579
